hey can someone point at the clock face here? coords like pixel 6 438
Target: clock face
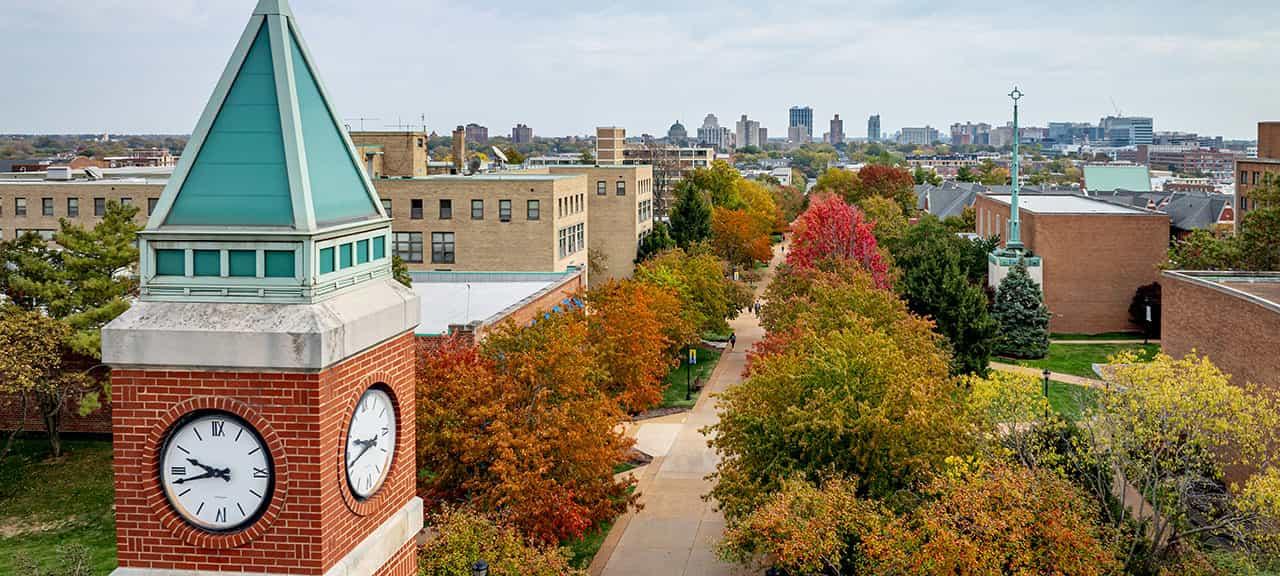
pixel 371 442
pixel 216 471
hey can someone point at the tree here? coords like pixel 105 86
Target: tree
pixel 935 283
pixel 890 182
pixel 34 368
pixel 658 240
pixel 400 271
pixel 991 175
pixel 829 229
pixel 1000 519
pixel 707 298
pixel 1169 429
pixel 886 219
pixel 520 427
pixel 738 238
pixel 841 182
pixel 690 216
pixel 790 200
pixel 1203 250
pixel 759 203
pixel 719 182
pixel 861 390
pixel 1021 316
pixel 463 536
pixel 965 174
pixel 923 176
pixel 587 157
pixel 635 330
pixel 514 156
pixel 1146 295
pixel 966 222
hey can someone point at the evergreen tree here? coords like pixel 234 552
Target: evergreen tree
pixel 1021 316
pixel 656 241
pixel 936 285
pixel 690 216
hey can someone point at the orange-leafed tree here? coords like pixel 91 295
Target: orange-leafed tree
pixel 831 229
pixel 519 426
pixel 739 238
pixel 636 329
pixel 891 182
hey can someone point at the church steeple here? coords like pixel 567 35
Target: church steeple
pixel 269 202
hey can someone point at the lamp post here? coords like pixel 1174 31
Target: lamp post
pixel 480 568
pixel 1046 374
pixel 1146 333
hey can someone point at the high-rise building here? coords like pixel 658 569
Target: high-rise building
pixel 1252 172
pixel 610 141
pixel 714 135
pixel 1072 133
pixel 1126 130
pixel 836 135
pixel 922 136
pixel 748 132
pixel 873 127
pixel 521 134
pixel 969 133
pixel 478 134
pixel 763 136
pixel 677 134
pixel 800 124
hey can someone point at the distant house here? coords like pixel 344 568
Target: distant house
pixel 1111 177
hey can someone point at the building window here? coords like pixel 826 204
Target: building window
pixel 386 207
pixel 601 188
pixel 407 245
pixel 278 263
pixel 504 210
pixel 126 201
pixel 151 205
pixel 327 261
pixel 1255 178
pixel 171 263
pixel 534 210
pixel 442 248
pixel 46 206
pixel 477 209
pixel 571 239
pixel 19 206
pixel 206 263
pixel 622 188
pixel 73 207
pixel 415 209
pixel 1244 176
pixel 242 263
pixel 99 206
pixel 446 209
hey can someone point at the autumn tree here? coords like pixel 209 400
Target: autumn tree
pixel 1021 316
pixel 739 238
pixel 841 182
pixel 935 283
pixel 759 203
pixel 635 330
pixel 886 219
pixel 890 182
pixel 464 536
pixel 1171 428
pixel 790 200
pixel 34 368
pixel 832 229
pixel 521 427
pixel 923 175
pixel 708 299
pixel 719 182
pixel 690 215
pixel 657 240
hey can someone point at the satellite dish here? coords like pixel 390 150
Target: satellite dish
pixel 500 155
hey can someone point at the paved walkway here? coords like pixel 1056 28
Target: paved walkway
pixel 676 532
pixel 1138 341
pixel 1060 377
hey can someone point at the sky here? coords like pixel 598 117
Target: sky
pixel 564 67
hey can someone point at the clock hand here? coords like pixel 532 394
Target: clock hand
pixel 368 444
pixel 210 471
pixel 209 474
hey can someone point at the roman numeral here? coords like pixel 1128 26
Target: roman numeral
pixel 221 515
pixel 251 491
pixel 197 431
pixel 217 428
pixel 259 472
pixel 184 450
pixel 184 492
pixel 385 430
pixel 364 406
pixel 254 451
pixel 238 434
pixel 242 514
pixel 178 471
pixel 199 508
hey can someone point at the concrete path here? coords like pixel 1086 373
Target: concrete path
pixel 1138 341
pixel 676 532
pixel 1060 377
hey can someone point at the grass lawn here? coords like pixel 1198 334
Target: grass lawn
pixel 716 336
pixel 1102 336
pixel 673 395
pixel 1078 359
pixel 45 504
pixel 583 550
pixel 1071 400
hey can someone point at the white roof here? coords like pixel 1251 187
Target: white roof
pixel 458 298
pixel 1066 204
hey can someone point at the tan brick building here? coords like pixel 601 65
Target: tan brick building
pixel 1095 254
pixel 620 213
pixel 610 143
pixel 400 153
pixel 37 205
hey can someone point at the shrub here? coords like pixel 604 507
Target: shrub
pixel 462 537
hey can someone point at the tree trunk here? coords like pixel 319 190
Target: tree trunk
pixel 22 423
pixel 51 413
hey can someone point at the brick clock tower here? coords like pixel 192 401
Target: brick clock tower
pixel 263 383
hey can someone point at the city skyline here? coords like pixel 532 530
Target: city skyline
pixel 1174 65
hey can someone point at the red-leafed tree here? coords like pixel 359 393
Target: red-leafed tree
pixel 890 182
pixel 832 229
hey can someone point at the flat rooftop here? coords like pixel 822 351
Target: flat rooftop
pixel 1260 287
pixel 486 177
pixel 460 298
pixel 1067 204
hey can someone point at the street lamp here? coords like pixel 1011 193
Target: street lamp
pixel 1046 374
pixel 1146 303
pixel 480 568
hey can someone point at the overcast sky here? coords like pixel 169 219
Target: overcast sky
pixel 565 67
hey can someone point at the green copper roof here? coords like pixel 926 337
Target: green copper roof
pixel 1109 178
pixel 269 150
pixel 241 162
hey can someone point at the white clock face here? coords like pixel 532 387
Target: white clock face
pixel 371 442
pixel 216 471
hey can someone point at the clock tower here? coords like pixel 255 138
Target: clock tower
pixel 262 384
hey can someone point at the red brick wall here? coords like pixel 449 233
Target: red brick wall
pixel 99 422
pixel 553 297
pixel 312 520
pixel 1240 337
pixel 1093 263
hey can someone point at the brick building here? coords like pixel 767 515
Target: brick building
pixel 473 303
pixel 1231 317
pixel 1095 254
pixel 1250 172
pixel 619 214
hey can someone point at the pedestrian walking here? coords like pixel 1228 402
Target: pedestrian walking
pixel 733 340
